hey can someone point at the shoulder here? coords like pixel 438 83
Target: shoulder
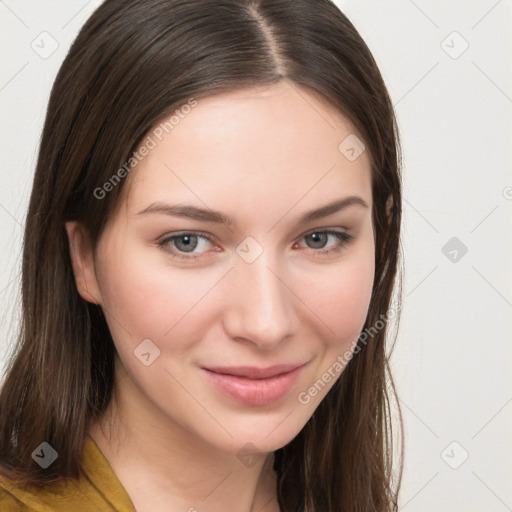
pixel 8 500
pixel 17 498
pixel 10 504
pixel 58 497
pixel 97 489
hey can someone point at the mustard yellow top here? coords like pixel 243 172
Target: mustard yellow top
pixel 100 491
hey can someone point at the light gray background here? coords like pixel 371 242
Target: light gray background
pixel 453 355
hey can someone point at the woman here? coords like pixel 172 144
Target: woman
pixel 210 253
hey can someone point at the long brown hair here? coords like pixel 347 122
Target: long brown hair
pixel 132 64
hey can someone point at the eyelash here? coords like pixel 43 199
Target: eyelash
pixel 343 238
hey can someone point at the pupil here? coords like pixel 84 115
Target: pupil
pixel 317 239
pixel 186 242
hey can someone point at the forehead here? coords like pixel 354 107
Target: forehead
pixel 266 146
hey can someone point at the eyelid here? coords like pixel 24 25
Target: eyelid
pixel 165 239
pixel 177 234
pixel 342 236
pixel 324 229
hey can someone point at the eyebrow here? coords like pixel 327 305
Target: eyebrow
pixel 219 217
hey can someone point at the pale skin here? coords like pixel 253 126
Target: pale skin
pixel 264 157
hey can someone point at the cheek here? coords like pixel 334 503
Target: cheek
pixel 340 297
pixel 143 299
pixel 135 300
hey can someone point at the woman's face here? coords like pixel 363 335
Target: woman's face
pixel 183 291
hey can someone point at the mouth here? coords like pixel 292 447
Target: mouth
pixel 255 386
pixel 251 372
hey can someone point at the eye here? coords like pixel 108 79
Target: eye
pixel 317 240
pixel 183 245
pixel 190 245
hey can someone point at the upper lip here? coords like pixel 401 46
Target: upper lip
pixel 252 372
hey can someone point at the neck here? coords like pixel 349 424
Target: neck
pixel 164 466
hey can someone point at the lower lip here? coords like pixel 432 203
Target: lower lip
pixel 255 392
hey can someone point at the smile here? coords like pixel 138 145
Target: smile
pixel 255 386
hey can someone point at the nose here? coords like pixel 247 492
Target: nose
pixel 261 304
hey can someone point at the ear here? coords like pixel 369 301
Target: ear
pixel 82 259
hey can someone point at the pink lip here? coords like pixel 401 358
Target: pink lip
pixel 255 386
